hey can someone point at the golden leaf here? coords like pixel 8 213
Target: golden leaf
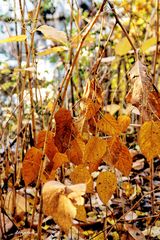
pixel 81 175
pixel 31 164
pixel 118 155
pixel 124 122
pixel 149 139
pixel 59 159
pixel 81 213
pixel 108 125
pixel 19 38
pixel 76 151
pixel 53 34
pixel 94 151
pixel 51 149
pixel 106 185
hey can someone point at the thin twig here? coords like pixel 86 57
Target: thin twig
pixel 122 27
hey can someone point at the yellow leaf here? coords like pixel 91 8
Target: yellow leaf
pixel 108 125
pixel 53 34
pixel 81 175
pixel 31 164
pixel 19 38
pixel 52 50
pixel 124 122
pixel 81 213
pixel 94 151
pixel 122 47
pixel 112 108
pixel 106 185
pixel 148 43
pixel 149 139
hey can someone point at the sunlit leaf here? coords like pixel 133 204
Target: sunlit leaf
pixel 19 38
pixel 149 139
pixel 108 125
pixel 106 186
pixel 59 200
pixel 31 164
pixel 94 151
pixel 53 34
pixel 122 47
pixel 81 175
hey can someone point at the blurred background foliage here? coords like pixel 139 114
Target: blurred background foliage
pixel 139 19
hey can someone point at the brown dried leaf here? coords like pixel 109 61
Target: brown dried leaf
pixel 149 139
pixel 134 232
pixel 124 122
pixel 118 156
pixel 108 125
pixel 31 164
pixel 144 94
pixel 63 120
pixel 106 185
pixel 51 149
pixel 81 175
pixel 94 151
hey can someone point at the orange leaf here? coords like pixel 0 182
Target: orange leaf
pixel 51 149
pixel 124 122
pixel 106 185
pixel 89 108
pixel 94 151
pixel 31 164
pixel 108 125
pixel 59 159
pixel 118 156
pixel 81 175
pixel 63 120
pixel 149 139
pixel 76 150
